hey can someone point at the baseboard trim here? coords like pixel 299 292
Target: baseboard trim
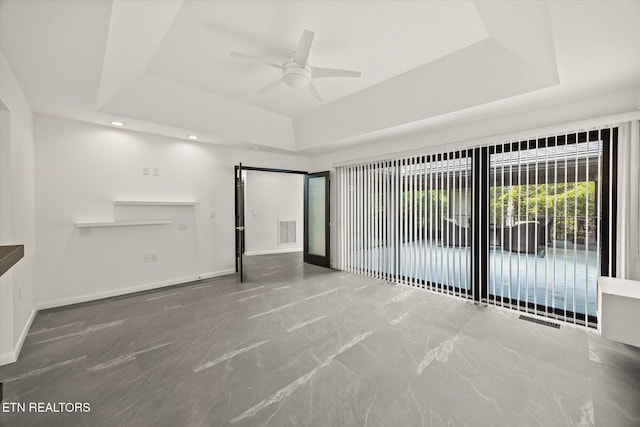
pixel 25 331
pixel 273 251
pixel 130 290
pixel 12 356
pixel 6 358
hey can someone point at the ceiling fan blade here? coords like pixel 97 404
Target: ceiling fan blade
pixel 304 47
pixel 270 86
pixel 319 72
pixel 314 91
pixel 253 58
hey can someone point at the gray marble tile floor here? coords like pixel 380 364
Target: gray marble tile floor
pixel 300 345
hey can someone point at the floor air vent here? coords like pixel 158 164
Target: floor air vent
pixel 539 321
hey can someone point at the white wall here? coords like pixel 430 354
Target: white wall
pixel 82 169
pixel 17 213
pixel 270 197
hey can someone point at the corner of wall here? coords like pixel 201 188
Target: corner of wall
pixel 19 194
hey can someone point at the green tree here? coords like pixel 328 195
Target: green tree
pixel 564 202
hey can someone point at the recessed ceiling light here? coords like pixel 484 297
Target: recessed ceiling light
pixel 116 123
pixel 194 137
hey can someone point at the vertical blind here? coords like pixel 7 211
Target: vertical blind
pixel 392 213
pixel 525 224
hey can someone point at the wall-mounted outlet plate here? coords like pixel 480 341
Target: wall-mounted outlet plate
pixel 155 171
pixel 149 258
pixel 146 171
pixel 182 227
pixel 212 214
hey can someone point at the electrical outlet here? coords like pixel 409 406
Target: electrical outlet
pixel 146 171
pixel 149 258
pixel 212 214
pixel 155 171
pixel 85 232
pixel 182 227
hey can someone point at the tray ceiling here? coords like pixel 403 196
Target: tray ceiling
pixel 165 67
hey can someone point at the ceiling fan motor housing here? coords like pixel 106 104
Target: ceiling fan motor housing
pixel 295 75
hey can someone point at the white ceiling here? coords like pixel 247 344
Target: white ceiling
pixel 195 50
pixel 164 66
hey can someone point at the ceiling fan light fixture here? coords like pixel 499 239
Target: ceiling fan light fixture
pixel 296 72
pixel 296 76
pixel 296 80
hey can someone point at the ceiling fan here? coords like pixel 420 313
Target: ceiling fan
pixel 296 72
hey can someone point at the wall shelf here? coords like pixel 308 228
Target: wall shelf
pixel 152 203
pixel 122 223
pixel 9 255
pixel 133 222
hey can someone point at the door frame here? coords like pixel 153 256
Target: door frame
pixel 323 261
pixel 239 207
pixel 239 219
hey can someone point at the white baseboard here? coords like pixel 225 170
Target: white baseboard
pixel 129 290
pixel 214 274
pixel 273 251
pixel 12 356
pixel 6 358
pixel 25 331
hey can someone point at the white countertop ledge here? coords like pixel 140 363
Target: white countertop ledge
pixel 621 287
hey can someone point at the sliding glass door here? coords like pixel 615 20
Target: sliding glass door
pixel 527 225
pixel 549 223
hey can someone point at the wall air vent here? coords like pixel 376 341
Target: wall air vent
pixel 286 232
